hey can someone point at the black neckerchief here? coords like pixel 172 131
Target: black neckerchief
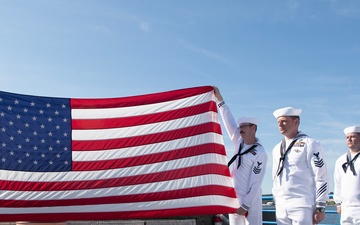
pixel 284 152
pixel 350 162
pixel 239 154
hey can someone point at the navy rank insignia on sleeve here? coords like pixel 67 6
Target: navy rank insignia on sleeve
pixel 257 169
pixel 318 162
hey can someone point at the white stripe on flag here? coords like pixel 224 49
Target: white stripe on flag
pixel 114 173
pixel 154 187
pixel 140 110
pixel 125 132
pixel 148 149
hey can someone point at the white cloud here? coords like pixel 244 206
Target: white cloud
pixel 205 52
pixel 99 28
pixel 293 5
pixel 144 26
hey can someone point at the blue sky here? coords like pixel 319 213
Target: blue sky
pixel 263 55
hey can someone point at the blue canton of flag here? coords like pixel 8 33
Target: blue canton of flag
pixel 35 133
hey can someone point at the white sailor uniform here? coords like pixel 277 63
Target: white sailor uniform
pixel 300 180
pixel 250 174
pixel 347 188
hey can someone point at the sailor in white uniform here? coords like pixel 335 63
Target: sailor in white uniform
pixel 347 179
pixel 247 165
pixel 300 177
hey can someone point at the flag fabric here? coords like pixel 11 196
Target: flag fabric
pixel 149 156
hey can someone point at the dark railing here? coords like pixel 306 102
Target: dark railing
pixel 269 213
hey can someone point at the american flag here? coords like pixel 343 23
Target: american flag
pixel 149 156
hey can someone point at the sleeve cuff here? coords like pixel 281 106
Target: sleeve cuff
pixel 245 207
pixel 320 204
pixel 221 103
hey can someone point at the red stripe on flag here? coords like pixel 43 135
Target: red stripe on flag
pixel 145 139
pixel 135 198
pixel 150 158
pixel 116 182
pixel 125 215
pixel 78 103
pixel 84 124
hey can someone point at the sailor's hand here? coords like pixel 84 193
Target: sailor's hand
pixel 338 209
pixel 241 211
pixel 217 94
pixel 318 217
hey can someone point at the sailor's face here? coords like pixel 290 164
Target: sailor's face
pixel 286 124
pixel 353 141
pixel 245 129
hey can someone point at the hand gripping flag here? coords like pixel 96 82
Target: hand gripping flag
pixel 150 156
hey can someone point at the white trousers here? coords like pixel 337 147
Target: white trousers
pixel 254 216
pixel 294 215
pixel 350 215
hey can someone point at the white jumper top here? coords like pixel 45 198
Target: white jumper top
pixel 346 184
pixel 249 176
pixel 304 179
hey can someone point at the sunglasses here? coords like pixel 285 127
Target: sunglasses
pixel 246 125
